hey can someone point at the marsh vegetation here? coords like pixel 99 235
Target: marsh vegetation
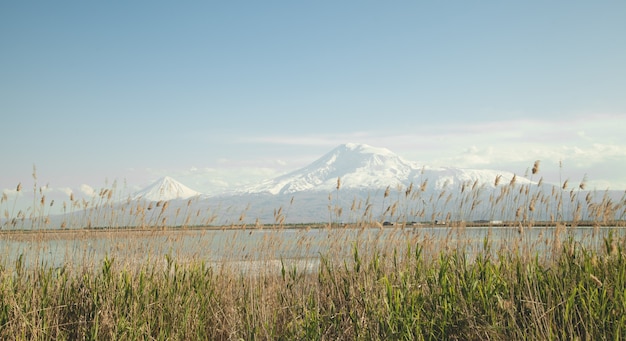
pixel 329 280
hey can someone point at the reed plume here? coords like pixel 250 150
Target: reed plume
pixel 536 167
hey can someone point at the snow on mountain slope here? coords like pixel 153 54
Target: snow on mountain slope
pixel 360 166
pixel 165 188
pixel 447 177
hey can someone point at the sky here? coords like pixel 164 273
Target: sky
pixel 223 94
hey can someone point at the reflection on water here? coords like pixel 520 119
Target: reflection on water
pixel 255 249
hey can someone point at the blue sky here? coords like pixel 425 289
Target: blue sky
pixel 219 94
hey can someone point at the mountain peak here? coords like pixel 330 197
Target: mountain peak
pixel 165 188
pixel 363 167
pixel 358 165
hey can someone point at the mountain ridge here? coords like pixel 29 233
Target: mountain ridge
pixel 348 166
pixel 360 166
pixel 366 184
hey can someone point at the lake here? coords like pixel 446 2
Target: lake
pixel 271 248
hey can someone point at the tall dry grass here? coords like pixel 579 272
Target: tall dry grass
pixel 420 291
pixel 376 276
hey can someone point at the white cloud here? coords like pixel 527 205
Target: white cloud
pixel 308 140
pixel 586 144
pixel 68 191
pixel 11 192
pixel 229 174
pixel 87 190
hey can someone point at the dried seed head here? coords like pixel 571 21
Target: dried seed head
pixel 596 280
pixel 497 181
pixel 513 179
pixel 583 183
pixel 338 183
pixel 424 184
pixel 19 187
pixel 536 167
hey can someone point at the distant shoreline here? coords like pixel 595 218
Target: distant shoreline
pixel 78 233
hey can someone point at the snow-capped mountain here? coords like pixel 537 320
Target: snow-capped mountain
pixel 357 165
pixel 166 188
pixel 364 174
pixel 363 167
pixel 310 194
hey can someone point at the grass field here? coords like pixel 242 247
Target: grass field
pixel 425 291
pixel 359 286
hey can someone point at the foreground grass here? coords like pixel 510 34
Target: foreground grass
pixel 575 292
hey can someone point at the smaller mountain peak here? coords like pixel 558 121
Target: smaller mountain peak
pixel 166 188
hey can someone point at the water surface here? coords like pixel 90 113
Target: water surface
pixel 279 246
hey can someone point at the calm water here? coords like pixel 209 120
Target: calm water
pixel 255 248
